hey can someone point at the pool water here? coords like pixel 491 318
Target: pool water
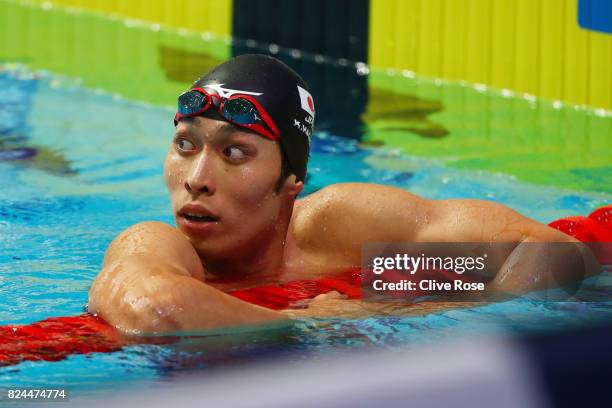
pixel 78 166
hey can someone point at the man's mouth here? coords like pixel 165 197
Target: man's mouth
pixel 199 218
pixel 197 213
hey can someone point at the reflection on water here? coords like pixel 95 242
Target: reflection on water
pixel 390 110
pixel 185 66
pixel 16 96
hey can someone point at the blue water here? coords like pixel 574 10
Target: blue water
pixel 99 170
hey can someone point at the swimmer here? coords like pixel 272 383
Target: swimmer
pixel 235 166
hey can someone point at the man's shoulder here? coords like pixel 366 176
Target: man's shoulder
pixel 360 197
pixel 350 212
pixel 327 199
pixel 313 214
pixel 148 232
pixel 155 239
pixel 150 226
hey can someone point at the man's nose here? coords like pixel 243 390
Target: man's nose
pixel 201 177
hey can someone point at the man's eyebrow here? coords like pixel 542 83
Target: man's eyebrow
pixel 224 132
pixel 228 130
pixel 228 127
pixel 183 131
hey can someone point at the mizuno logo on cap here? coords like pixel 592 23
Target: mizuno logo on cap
pixel 226 93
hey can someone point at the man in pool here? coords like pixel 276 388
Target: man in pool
pixel 235 166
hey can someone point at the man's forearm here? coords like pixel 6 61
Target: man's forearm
pixel 188 304
pixel 142 294
pixel 535 265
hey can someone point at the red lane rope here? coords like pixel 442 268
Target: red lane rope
pixel 55 338
pixel 596 228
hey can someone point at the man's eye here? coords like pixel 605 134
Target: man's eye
pixel 184 144
pixel 234 153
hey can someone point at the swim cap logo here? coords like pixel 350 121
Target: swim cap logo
pixel 306 101
pixel 226 93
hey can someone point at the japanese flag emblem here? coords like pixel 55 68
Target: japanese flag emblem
pixel 306 100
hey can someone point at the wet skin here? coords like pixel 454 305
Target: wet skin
pixel 157 278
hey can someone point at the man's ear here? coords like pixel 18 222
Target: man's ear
pixel 293 187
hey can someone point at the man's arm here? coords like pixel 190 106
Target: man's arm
pixel 152 281
pixel 360 213
pixel 543 257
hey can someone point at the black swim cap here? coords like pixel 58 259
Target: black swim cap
pixel 282 93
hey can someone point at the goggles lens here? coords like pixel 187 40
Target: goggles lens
pixel 240 111
pixel 191 102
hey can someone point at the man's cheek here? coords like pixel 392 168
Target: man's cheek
pixel 174 178
pixel 259 191
pixel 245 195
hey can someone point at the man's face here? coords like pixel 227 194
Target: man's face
pixel 227 177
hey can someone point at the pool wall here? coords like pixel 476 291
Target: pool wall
pixel 214 16
pixel 535 47
pixel 152 51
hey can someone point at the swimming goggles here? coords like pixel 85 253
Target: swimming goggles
pixel 241 110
